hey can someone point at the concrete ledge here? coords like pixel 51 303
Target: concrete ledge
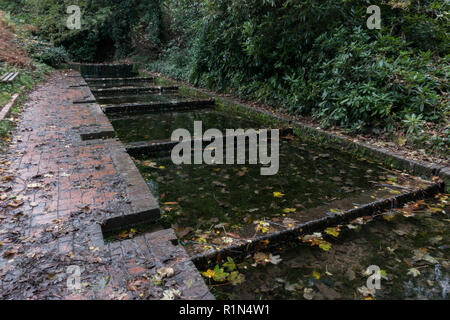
pixel 111 91
pixel 444 174
pixel 159 106
pixel 115 80
pixel 144 207
pixel 103 128
pixel 8 106
pixel 164 148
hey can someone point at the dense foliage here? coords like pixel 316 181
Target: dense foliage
pixel 318 56
pixel 311 57
pixel 110 28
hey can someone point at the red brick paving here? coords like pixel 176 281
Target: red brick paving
pixel 72 187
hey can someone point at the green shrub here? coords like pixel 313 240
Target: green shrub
pixel 110 29
pixel 46 53
pixel 317 57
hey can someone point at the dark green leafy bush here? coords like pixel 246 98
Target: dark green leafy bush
pixel 46 53
pixel 110 28
pixel 317 57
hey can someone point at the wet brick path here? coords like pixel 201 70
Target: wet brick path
pixel 56 191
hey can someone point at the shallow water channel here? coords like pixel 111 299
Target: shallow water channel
pixel 215 206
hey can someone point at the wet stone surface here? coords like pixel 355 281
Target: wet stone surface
pixel 55 193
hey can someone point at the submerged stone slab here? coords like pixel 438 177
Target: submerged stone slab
pixel 119 80
pixel 145 98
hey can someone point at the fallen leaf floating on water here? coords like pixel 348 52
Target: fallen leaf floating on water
pixel 413 272
pixel 316 239
pixel 278 195
pixel 434 210
pixel 262 226
pixel 263 258
pixel 149 164
pixel 325 246
pixel 421 254
pixel 333 231
pixel 366 291
pixel 236 278
pixel 308 293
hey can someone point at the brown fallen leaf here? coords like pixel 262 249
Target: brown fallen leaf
pixel 8 253
pixel 15 203
pixel 7 178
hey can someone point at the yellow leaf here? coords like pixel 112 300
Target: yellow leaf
pixel 316 275
pixel 435 210
pixel 333 231
pixel 289 210
pixel 209 274
pixel 325 246
pixel 278 195
pixel 335 211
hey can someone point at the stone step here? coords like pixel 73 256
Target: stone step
pixel 132 79
pixel 159 106
pixel 112 91
pixel 164 148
